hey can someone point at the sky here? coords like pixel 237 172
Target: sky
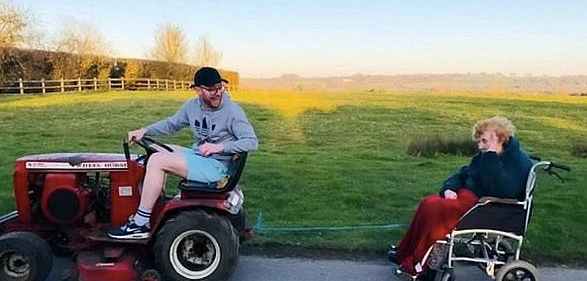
pixel 314 38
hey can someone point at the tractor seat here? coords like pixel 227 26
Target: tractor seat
pixel 224 185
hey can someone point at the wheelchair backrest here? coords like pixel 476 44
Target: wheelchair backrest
pixel 508 215
pixel 531 181
pixel 529 192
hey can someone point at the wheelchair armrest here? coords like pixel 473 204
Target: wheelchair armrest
pixel 487 199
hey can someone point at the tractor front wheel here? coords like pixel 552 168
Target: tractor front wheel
pixel 196 245
pixel 24 256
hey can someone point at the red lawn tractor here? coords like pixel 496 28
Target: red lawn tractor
pixel 65 202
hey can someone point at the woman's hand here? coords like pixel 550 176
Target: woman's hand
pixel 449 194
pixel 488 141
pixel 493 142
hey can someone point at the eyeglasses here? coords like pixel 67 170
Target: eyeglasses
pixel 212 90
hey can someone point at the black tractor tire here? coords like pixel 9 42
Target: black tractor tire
pixel 196 245
pixel 24 256
pixel 239 221
pixel 151 275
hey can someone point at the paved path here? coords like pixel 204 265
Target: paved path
pixel 256 268
pixel 252 268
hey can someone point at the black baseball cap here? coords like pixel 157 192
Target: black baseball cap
pixel 207 76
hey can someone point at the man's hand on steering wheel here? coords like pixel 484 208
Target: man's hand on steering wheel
pixel 136 135
pixel 149 144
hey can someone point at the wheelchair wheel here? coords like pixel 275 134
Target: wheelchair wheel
pixel 517 271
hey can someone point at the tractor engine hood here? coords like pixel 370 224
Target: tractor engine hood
pixel 75 161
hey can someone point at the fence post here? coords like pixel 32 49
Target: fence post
pixel 62 85
pixel 157 80
pixel 43 85
pixel 79 84
pixel 95 84
pixel 21 86
pixel 149 83
pixel 166 84
pixel 109 84
pixel 174 85
pixel 122 81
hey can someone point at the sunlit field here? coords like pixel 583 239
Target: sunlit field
pixel 332 159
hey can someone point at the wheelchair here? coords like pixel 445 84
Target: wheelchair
pixel 490 235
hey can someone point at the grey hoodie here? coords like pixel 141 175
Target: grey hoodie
pixel 226 124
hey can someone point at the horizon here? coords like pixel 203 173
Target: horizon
pixel 344 38
pixel 507 75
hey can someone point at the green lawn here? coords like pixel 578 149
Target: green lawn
pixel 331 159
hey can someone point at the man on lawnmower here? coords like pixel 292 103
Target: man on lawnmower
pixel 220 128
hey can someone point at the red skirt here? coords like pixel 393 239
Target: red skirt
pixel 434 219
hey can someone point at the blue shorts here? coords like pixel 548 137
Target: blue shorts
pixel 203 169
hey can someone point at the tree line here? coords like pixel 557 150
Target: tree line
pixel 80 50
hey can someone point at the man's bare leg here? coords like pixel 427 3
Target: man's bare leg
pixel 159 164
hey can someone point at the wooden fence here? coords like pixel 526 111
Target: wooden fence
pixel 68 85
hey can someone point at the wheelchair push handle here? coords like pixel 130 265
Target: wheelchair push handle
pixel 549 169
pixel 560 166
pixel 550 164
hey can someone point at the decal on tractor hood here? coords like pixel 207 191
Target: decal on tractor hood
pixel 82 166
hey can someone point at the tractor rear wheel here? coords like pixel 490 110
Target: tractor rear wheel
pixel 196 245
pixel 24 256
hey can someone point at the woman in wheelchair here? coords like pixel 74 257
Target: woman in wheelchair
pixel 500 169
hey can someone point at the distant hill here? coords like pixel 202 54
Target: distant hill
pixel 436 82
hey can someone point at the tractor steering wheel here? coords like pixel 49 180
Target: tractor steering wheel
pixel 152 145
pixel 149 144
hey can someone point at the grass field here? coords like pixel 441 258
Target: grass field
pixel 332 159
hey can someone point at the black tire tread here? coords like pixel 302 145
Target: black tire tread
pixel 194 218
pixel 35 246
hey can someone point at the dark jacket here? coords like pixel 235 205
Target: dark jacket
pixel 490 174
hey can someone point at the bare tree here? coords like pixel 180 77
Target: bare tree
pixel 89 47
pixel 205 54
pixel 15 31
pixel 81 39
pixel 170 44
pixel 13 25
pixel 18 28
